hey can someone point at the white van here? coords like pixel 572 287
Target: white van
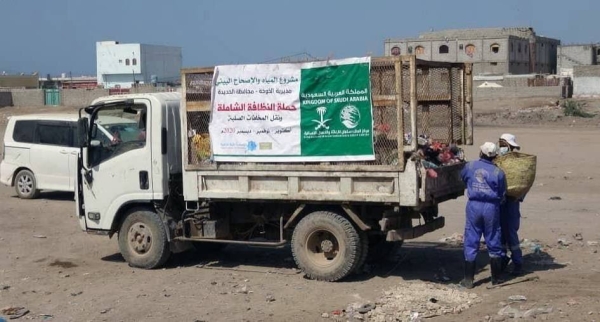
pixel 40 150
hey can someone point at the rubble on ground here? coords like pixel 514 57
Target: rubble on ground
pixel 414 301
pixel 456 239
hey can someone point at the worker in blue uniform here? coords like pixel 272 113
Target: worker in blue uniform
pixel 486 189
pixel 510 216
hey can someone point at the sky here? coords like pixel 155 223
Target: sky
pixel 60 35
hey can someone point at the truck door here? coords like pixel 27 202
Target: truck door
pixel 119 170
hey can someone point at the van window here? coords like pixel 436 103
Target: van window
pixel 23 132
pixel 54 134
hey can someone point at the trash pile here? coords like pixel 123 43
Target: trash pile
pixel 413 302
pixel 433 154
pixel 455 240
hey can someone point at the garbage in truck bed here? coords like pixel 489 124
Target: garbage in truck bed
pixel 433 154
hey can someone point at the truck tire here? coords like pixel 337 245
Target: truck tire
pixel 26 185
pixel 364 252
pixel 380 249
pixel 143 240
pixel 326 246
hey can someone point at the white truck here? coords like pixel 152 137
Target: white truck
pixel 162 191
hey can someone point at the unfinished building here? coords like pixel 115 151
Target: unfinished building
pixel 493 51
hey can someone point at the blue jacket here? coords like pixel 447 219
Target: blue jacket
pixel 485 181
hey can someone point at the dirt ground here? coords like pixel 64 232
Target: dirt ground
pixel 59 273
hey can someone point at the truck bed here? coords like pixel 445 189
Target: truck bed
pixel 410 187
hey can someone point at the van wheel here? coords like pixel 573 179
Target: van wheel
pixel 143 240
pixel 26 185
pixel 326 246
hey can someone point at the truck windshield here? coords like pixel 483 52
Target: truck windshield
pixel 117 131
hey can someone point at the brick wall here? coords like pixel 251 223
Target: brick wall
pixel 516 92
pixel 81 97
pixel 28 97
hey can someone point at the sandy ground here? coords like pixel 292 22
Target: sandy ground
pixel 70 276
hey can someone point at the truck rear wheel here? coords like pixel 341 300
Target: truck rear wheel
pixel 364 252
pixel 143 240
pixel 326 246
pixel 380 249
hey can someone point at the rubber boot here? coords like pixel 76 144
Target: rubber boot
pixel 517 270
pixel 496 266
pixel 505 261
pixel 467 282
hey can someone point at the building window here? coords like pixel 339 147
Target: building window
pixel 526 48
pixel 395 51
pixel 419 50
pixel 519 48
pixel 444 49
pixel 134 61
pixel 470 50
pixel 494 64
pixel 512 49
pixel 495 48
pixel 598 51
pixel 127 62
pixel 410 49
pixel 120 61
pixel 461 47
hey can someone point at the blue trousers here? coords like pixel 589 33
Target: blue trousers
pixel 483 218
pixel 510 220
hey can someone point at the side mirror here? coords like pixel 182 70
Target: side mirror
pixel 95 143
pixel 82 132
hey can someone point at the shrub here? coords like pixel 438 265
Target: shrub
pixel 574 108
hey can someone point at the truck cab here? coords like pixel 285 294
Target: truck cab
pixel 133 166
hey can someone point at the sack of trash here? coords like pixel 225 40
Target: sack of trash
pixel 520 169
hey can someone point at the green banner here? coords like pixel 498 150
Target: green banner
pixel 336 111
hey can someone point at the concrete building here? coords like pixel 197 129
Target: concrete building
pixel 570 56
pixel 493 51
pixel 122 65
pixel 19 81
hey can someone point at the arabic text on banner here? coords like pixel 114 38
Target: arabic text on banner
pixel 309 112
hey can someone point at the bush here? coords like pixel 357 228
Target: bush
pixel 573 108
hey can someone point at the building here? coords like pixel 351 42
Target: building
pixel 493 51
pixel 123 65
pixel 586 81
pixel 570 56
pixel 19 81
pixel 65 81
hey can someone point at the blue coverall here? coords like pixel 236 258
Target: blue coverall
pixel 486 188
pixel 510 218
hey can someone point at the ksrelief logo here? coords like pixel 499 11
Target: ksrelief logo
pixel 350 116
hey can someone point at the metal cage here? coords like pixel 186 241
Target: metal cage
pixel 410 98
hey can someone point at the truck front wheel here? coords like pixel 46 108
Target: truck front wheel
pixel 326 246
pixel 143 240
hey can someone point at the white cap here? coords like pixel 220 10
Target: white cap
pixel 489 149
pixel 510 139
